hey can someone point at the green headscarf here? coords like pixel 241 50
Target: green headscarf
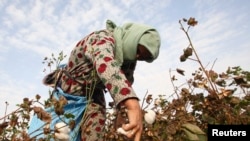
pixel 129 36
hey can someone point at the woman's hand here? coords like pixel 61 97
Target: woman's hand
pixel 134 127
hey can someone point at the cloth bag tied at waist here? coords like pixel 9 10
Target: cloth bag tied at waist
pixel 75 106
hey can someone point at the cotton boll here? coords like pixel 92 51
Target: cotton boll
pixel 62 131
pixel 150 116
pixel 62 128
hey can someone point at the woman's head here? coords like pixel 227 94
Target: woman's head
pixel 130 36
pixel 150 40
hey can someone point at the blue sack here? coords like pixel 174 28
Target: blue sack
pixel 76 106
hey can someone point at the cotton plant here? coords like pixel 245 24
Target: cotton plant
pixel 157 101
pixel 159 105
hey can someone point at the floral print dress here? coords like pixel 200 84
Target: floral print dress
pixel 92 64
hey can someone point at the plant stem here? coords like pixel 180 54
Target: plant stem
pixel 199 61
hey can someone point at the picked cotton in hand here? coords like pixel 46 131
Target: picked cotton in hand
pixel 122 131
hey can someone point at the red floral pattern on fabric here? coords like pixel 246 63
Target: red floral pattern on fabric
pixel 92 129
pixel 109 86
pixel 125 91
pixel 102 68
pixel 110 39
pixel 94 115
pixel 77 45
pixel 98 129
pixel 106 59
pixel 82 43
pixel 128 83
pixel 90 123
pixel 101 121
pixel 79 55
pixel 94 42
pixel 71 64
pixel 84 49
pixel 101 42
pixel 97 53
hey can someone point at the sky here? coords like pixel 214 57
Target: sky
pixel 33 29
